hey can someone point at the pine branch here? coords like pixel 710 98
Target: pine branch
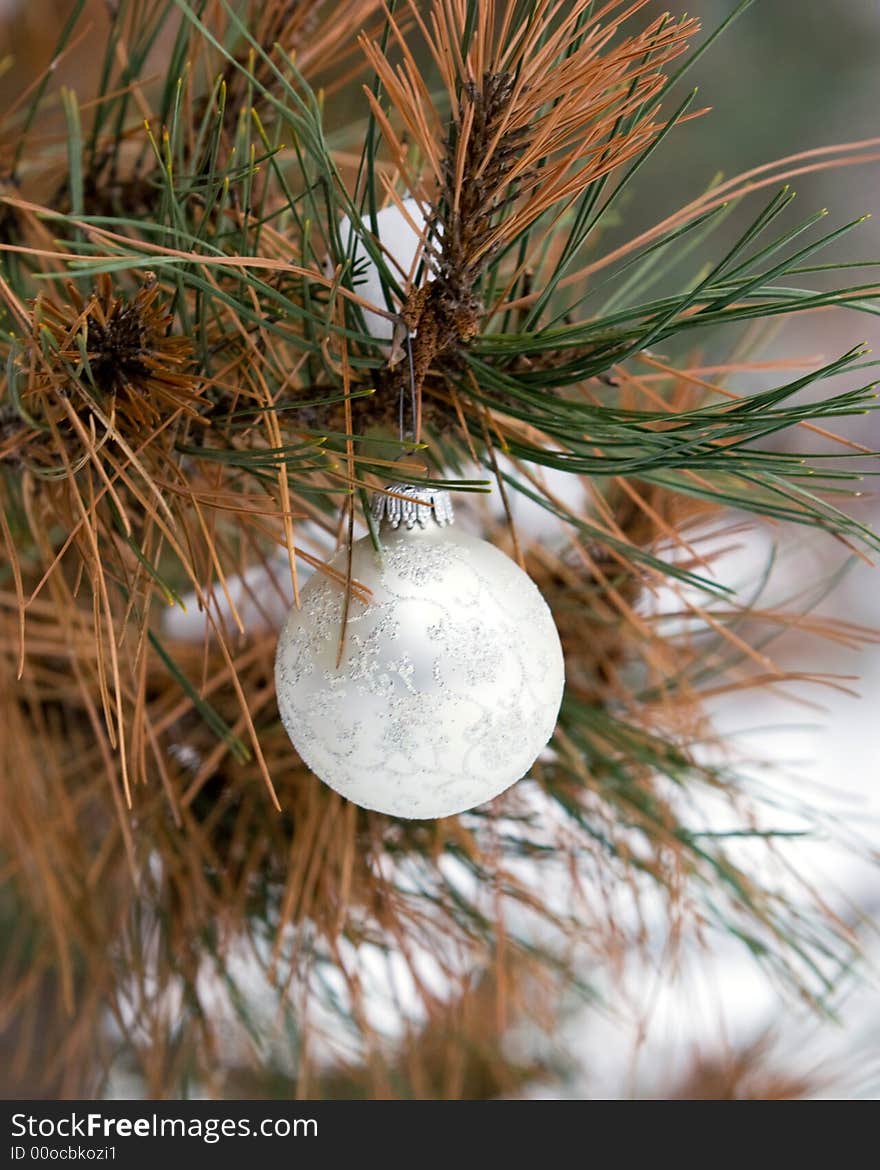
pixel 192 393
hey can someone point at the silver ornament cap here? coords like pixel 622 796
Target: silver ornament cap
pixel 413 504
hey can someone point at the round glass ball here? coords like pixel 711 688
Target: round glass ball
pixel 450 680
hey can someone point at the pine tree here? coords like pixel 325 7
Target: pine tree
pixel 195 379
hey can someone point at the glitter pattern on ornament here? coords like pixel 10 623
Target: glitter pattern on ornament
pixel 451 676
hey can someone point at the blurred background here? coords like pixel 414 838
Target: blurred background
pixel 786 77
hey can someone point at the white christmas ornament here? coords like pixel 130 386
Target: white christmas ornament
pixel 451 676
pixel 399 232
